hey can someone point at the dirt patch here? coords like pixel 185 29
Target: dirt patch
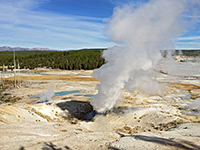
pixel 54 77
pixel 183 86
pixel 193 89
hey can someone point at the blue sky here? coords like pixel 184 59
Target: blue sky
pixel 68 24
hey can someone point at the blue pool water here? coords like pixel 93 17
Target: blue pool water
pixel 88 95
pixel 85 95
pixel 34 96
pixel 62 93
pixel 34 85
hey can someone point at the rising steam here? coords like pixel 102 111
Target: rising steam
pixel 195 104
pixel 140 33
pixel 47 95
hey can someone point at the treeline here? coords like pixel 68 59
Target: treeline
pixel 70 60
pixel 193 53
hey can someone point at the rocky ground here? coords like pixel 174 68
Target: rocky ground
pixel 139 121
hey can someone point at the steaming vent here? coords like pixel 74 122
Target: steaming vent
pixel 139 33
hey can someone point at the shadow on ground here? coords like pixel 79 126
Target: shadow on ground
pixel 181 144
pixel 84 110
pixel 50 146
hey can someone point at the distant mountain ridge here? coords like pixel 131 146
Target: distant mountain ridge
pixel 8 48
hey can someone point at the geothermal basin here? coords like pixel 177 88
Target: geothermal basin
pixel 138 121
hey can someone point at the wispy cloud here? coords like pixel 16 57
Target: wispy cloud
pixel 189 38
pixel 135 3
pixel 193 16
pixel 187 45
pixel 188 42
pixel 20 25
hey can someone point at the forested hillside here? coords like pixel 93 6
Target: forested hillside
pixel 69 60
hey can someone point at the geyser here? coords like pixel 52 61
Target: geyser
pixel 140 33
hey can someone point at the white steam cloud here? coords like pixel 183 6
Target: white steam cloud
pixel 195 104
pixel 47 95
pixel 140 33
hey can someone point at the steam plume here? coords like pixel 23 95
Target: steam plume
pixel 140 33
pixel 195 104
pixel 47 95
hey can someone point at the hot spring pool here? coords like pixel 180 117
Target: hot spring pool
pixel 35 85
pixel 74 92
pixel 85 95
pixel 62 93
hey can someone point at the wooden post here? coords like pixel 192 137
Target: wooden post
pixel 3 75
pixel 15 82
pixel 18 67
